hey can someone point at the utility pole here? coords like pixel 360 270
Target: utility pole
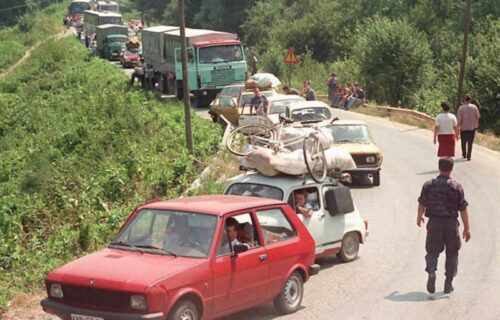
pixel 185 83
pixel 464 53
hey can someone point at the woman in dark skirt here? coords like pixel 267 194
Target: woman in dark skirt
pixel 446 131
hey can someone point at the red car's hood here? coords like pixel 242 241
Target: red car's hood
pixel 121 270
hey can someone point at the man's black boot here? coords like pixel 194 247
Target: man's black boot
pixel 431 282
pixel 448 287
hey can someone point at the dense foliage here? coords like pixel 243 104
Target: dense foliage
pixel 31 27
pixel 79 151
pixel 11 10
pixel 416 45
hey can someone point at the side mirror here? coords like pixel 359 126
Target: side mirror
pixel 339 200
pixel 240 248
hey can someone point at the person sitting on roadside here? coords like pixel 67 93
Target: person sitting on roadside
pixel 291 91
pixel 301 207
pixel 357 97
pixel 345 96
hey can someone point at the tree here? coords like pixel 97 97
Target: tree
pixel 394 59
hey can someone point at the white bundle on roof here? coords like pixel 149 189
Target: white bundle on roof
pixel 265 80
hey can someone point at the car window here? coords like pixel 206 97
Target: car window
pixel 348 133
pixel 238 229
pixel 275 225
pixel 311 114
pixel 255 190
pixel 312 199
pixel 181 233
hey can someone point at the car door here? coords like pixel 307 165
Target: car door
pixel 323 227
pixel 240 280
pixel 280 240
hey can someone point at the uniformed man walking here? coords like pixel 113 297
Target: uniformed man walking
pixel 440 200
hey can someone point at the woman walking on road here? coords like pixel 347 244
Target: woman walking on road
pixel 446 131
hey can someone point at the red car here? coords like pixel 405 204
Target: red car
pixel 192 258
pixel 129 59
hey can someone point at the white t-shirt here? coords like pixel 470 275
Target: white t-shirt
pixel 446 121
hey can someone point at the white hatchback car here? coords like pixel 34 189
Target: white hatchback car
pixel 335 223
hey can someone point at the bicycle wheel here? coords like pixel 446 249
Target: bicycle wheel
pixel 242 140
pixel 314 157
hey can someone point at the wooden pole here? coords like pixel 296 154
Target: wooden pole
pixel 185 83
pixel 464 53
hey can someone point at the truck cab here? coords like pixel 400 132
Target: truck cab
pixel 335 223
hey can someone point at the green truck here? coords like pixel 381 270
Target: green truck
pixel 111 40
pixel 215 59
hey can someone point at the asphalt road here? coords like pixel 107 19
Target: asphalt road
pixel 388 280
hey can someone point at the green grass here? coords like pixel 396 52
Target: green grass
pixel 80 150
pixel 31 28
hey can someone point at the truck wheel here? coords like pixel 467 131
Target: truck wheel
pixel 376 178
pixel 184 310
pixel 290 297
pixel 350 247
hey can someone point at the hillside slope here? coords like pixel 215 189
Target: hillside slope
pixel 79 150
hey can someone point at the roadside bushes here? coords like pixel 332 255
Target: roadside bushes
pixel 79 152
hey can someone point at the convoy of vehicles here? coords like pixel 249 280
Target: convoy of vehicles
pixel 111 40
pixel 355 136
pixel 215 59
pixel 93 19
pixel 335 224
pixel 179 259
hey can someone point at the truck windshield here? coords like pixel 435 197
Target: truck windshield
pixel 78 7
pixel 176 233
pixel 117 39
pixel 216 54
pixel 255 190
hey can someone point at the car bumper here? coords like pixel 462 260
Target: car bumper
pixel 363 170
pixel 314 269
pixel 64 312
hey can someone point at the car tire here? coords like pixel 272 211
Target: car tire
pixel 214 117
pixel 289 299
pixel 376 178
pixel 349 248
pixel 184 310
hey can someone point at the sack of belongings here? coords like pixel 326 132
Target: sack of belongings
pixel 270 163
pixel 265 80
pixel 325 137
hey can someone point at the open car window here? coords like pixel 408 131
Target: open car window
pixel 238 229
pixel 275 225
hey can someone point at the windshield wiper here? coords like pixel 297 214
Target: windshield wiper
pixel 148 246
pixel 343 141
pixel 125 244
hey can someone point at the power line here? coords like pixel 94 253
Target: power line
pixel 25 5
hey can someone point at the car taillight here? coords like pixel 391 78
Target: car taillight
pixel 366 224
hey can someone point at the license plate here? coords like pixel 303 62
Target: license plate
pixel 84 317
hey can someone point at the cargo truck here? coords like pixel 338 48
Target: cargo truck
pixel 93 19
pixel 111 40
pixel 109 6
pixel 215 59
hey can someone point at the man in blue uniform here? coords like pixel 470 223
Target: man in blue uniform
pixel 440 200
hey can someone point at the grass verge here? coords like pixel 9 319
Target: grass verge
pixel 80 150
